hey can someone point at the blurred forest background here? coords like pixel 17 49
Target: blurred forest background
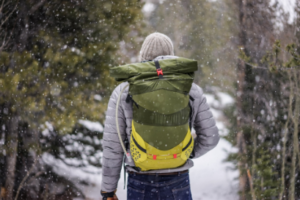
pixel 54 86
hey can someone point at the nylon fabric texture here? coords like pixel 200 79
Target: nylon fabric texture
pixel 172 157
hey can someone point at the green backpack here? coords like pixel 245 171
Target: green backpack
pixel 159 90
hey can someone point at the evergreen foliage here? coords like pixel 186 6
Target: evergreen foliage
pixel 265 128
pixel 269 140
pixel 54 68
pixel 60 58
pixel 79 149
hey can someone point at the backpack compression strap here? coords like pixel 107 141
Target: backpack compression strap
pixel 158 69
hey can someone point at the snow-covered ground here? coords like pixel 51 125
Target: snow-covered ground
pixel 211 177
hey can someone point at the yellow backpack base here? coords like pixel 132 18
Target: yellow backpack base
pixel 147 157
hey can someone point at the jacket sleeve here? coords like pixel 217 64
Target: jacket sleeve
pixel 205 127
pixel 112 149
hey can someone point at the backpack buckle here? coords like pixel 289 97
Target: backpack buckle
pixel 159 72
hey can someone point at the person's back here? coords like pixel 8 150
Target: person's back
pixel 150 181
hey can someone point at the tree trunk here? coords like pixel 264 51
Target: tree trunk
pixel 291 97
pixel 295 141
pixel 241 79
pixel 11 156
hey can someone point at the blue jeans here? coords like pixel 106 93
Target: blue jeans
pixel 156 187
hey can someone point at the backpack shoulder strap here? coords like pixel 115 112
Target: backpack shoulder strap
pixel 190 123
pixel 191 112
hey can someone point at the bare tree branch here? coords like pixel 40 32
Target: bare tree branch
pixel 9 15
pixel 25 178
pixel 1 6
pixel 5 41
pixel 36 6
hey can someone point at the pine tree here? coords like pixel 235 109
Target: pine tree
pixel 56 61
pixel 265 132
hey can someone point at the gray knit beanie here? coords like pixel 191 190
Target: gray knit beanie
pixel 156 44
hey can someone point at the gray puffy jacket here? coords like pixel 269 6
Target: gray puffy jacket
pixel 202 121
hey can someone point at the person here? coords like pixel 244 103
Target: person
pixel 161 183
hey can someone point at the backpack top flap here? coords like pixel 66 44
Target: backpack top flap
pixel 141 71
